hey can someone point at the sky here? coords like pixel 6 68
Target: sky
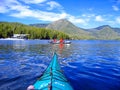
pixel 82 13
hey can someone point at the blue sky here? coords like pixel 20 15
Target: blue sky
pixel 82 13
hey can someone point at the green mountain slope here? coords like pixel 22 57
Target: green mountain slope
pixel 105 32
pixel 59 29
pixel 69 28
pixel 7 29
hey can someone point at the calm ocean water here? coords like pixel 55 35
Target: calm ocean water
pixel 87 64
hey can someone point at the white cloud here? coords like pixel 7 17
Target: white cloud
pixel 77 20
pixel 20 10
pixel 3 9
pixel 23 12
pixel 118 20
pixel 9 5
pixel 99 18
pixel 34 1
pixel 48 16
pixel 115 8
pixel 17 9
pixel 40 15
pixel 54 5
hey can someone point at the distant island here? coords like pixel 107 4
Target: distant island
pixel 59 29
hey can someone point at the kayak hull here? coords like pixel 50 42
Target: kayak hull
pixel 53 78
pixel 65 42
pixel 56 85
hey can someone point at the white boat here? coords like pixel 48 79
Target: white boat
pixel 13 39
pixel 17 37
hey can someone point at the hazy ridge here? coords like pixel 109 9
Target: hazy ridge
pixel 104 32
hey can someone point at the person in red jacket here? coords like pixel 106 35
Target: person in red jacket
pixel 54 40
pixel 61 41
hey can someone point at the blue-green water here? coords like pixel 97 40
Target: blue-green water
pixel 87 64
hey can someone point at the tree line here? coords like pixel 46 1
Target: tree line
pixel 8 29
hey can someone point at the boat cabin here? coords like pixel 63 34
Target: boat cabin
pixel 20 36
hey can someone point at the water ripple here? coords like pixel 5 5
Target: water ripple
pixel 88 65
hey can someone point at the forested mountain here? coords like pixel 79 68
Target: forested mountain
pixel 59 29
pixel 117 30
pixel 69 28
pixel 7 29
pixel 105 32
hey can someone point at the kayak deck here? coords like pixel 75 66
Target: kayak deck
pixel 53 78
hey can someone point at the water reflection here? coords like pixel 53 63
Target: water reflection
pixel 61 49
pixel 95 64
pixel 19 45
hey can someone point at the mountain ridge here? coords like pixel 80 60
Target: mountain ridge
pixel 104 32
pixel 69 28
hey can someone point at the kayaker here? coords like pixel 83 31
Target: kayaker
pixel 61 41
pixel 54 40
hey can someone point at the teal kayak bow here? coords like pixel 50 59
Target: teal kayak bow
pixel 53 78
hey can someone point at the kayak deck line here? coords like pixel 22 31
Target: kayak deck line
pixel 47 74
pixel 52 78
